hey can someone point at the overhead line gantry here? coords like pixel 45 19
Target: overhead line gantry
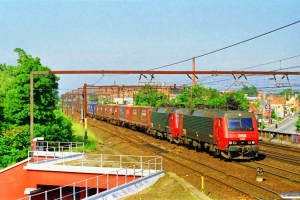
pixel 139 72
pixel 142 72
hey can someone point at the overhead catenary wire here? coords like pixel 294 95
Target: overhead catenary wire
pixel 227 46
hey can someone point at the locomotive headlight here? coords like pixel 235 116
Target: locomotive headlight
pixel 253 142
pixel 230 142
pixel 234 142
pixel 249 142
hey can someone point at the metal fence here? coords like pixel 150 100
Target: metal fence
pixel 60 146
pixel 128 166
pixel 280 137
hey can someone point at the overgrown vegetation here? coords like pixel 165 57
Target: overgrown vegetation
pixel 14 145
pixel 287 93
pixel 93 141
pixel 298 124
pixel 15 108
pixel 250 91
pixel 196 96
pixel 149 96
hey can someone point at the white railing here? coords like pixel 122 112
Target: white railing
pixel 144 166
pixel 60 146
pixel 72 158
pixel 48 151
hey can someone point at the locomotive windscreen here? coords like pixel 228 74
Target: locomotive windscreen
pixel 240 124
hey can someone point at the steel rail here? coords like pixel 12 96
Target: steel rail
pixel 280 146
pixel 157 150
pixel 163 152
pixel 239 179
pixel 295 160
pixel 273 173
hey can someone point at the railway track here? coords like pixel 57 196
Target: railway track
pixel 275 171
pixel 280 146
pixel 230 180
pixel 219 177
pixel 295 160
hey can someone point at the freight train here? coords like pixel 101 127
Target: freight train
pixel 228 134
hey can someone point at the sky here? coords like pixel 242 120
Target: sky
pixel 144 34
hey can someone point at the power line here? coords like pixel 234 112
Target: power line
pixel 270 62
pixel 227 46
pixel 99 79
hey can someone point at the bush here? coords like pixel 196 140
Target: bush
pixel 14 145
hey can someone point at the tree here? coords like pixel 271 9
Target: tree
pixel 17 99
pixel 199 96
pixel 215 99
pixel 148 96
pixel 5 78
pixel 14 145
pixel 250 91
pixel 92 98
pixel 298 125
pixel 239 96
pixel 195 95
pixel 273 114
pixel 287 93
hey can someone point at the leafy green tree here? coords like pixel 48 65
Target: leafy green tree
pixel 17 98
pixel 273 114
pixel 234 101
pixel 5 78
pixel 92 98
pixel 288 93
pixel 256 103
pixel 298 125
pixel 59 129
pixel 185 96
pixel 250 91
pixel 149 96
pixel 242 100
pixel 14 145
pixel 211 98
pixel 2 67
pixel 195 95
pixel 17 101
pixel 215 99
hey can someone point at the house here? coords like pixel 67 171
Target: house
pixel 278 105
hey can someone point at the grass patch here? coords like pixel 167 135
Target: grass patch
pixel 93 142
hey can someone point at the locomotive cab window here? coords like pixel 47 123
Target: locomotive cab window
pixel 240 124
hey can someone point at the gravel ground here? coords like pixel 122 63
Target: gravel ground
pixel 164 189
pixel 167 187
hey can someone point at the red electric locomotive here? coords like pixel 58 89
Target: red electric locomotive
pixel 231 134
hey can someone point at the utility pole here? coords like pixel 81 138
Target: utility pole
pixel 84 106
pixel 194 69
